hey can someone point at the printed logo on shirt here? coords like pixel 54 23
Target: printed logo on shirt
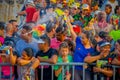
pixel 46 66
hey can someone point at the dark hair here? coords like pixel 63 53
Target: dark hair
pixel 108 5
pixel 118 41
pixel 87 33
pixel 46 39
pixel 89 36
pixel 2 25
pixel 102 34
pixel 61 30
pixel 50 26
pixel 27 27
pixel 70 44
pixel 116 8
pixel 12 20
pixel 29 52
pixel 64 45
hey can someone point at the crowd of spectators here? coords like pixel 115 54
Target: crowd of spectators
pixel 80 31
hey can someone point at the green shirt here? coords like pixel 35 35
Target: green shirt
pixel 61 61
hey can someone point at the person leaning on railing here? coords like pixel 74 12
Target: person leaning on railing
pixel 116 60
pixel 83 48
pixel 64 57
pixel 27 64
pixel 47 55
pixel 101 61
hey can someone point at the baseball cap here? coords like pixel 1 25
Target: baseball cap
pixel 76 28
pixel 40 41
pixel 43 39
pixel 30 3
pixel 104 44
pixel 85 6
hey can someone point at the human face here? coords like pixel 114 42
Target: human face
pixel 84 39
pixel 117 48
pixel 41 46
pixel 107 10
pixel 26 35
pixel 105 50
pixel 2 32
pixel 24 56
pixel 118 11
pixel 85 11
pixel 66 12
pixel 60 36
pixel 15 26
pixel 74 11
pixel 64 51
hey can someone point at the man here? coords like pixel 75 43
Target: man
pixel 29 11
pixel 45 54
pixel 113 3
pixel 50 30
pixel 101 60
pixel 108 10
pixel 14 24
pixel 26 40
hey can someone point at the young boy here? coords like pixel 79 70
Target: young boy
pixel 63 57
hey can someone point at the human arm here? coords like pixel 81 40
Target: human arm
pixel 23 62
pixel 73 34
pixel 107 72
pixel 116 61
pixel 58 71
pixel 90 59
pixel 21 13
pixel 13 58
pixel 52 60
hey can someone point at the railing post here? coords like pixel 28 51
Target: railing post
pixel 11 72
pixel 73 72
pixel 0 72
pixel 52 72
pixel 83 71
pixel 63 72
pixel 95 76
pixel 114 72
pixel 42 72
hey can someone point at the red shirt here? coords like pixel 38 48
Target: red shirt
pixel 30 11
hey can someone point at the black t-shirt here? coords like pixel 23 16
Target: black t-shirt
pixel 47 70
pixel 102 64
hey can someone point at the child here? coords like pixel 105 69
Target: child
pixel 27 65
pixel 63 58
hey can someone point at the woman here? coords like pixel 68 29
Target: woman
pixel 83 49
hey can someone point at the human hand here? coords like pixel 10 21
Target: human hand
pixel 96 69
pixel 68 76
pixel 40 59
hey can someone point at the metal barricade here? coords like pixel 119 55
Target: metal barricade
pixel 60 64
pixel 63 64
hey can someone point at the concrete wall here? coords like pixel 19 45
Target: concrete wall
pixel 9 8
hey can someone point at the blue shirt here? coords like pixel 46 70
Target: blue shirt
pixel 21 45
pixel 80 53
